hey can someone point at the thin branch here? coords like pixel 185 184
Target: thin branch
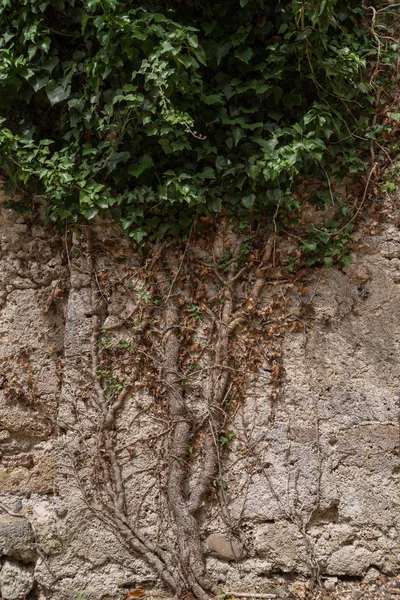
pixel 330 234
pixel 11 512
pixel 254 595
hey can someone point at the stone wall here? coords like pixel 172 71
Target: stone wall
pixel 312 474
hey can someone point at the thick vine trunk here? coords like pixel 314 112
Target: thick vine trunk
pixel 190 550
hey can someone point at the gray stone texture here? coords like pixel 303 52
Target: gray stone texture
pixel 223 548
pixel 16 580
pixel 17 538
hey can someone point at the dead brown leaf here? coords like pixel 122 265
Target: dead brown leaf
pixel 138 593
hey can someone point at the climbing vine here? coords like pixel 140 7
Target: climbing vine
pixel 193 350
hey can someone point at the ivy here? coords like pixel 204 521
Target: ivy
pixel 155 113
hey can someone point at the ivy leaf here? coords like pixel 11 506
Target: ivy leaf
pixel 200 55
pixel 138 235
pixel 145 163
pixel 90 212
pixel 193 40
pixel 222 51
pixel 254 171
pixel 248 201
pixel 215 204
pixel 346 261
pixel 208 173
pixel 244 55
pixel 50 64
pixel 85 20
pixel 126 223
pixel 57 93
pixel 39 82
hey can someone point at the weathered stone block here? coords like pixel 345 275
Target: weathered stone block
pixel 283 544
pixel 16 580
pixel 224 549
pixel 17 538
pixel 350 560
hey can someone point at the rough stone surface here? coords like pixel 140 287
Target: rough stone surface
pixel 16 580
pixel 221 547
pixel 283 545
pixel 321 485
pixel 17 538
pixel 372 575
pixel 352 560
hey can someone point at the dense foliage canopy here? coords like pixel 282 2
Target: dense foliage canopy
pixel 155 111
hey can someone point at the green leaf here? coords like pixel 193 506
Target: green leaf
pixel 200 55
pixel 193 40
pixel 248 201
pixel 99 21
pixel 85 20
pixel 39 82
pixel 346 261
pixel 146 162
pixel 244 54
pixel 57 93
pixel 215 204
pixel 221 51
pixel 126 223
pixel 50 64
pixel 254 171
pixel 208 173
pixel 90 212
pixel 138 235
